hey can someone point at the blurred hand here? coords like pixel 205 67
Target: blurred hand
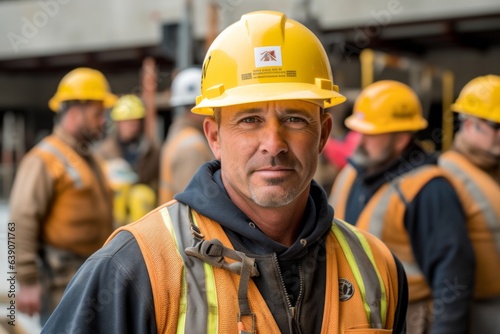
pixel 29 299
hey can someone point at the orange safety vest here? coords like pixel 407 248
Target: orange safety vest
pixel 80 218
pixel 479 194
pixel 182 283
pixel 187 138
pixel 383 216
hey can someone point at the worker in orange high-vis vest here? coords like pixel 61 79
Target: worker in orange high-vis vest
pixel 474 160
pixel 393 189
pixel 185 149
pixel 60 201
pixel 251 245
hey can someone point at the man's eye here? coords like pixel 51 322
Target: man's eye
pixel 249 120
pixel 295 119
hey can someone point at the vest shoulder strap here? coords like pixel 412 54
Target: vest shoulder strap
pixel 409 184
pixel 361 260
pixel 157 245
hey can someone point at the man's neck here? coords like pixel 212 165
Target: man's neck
pixel 279 224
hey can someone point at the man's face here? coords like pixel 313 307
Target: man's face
pixel 129 130
pixel 375 150
pixel 91 121
pixel 268 150
pixel 485 136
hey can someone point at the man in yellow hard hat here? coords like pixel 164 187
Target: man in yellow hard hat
pixel 60 202
pixel 251 245
pixel 395 190
pixel 474 161
pixel 132 160
pixel 185 149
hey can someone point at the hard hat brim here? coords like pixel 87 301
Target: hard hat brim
pixel 264 92
pixel 108 101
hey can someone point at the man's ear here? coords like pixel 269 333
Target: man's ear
pixel 211 129
pixel 326 128
pixel 402 140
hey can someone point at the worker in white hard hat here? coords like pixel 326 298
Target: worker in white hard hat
pixel 185 148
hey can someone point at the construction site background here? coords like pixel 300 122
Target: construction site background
pixel 140 46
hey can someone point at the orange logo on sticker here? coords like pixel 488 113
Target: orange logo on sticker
pixel 268 56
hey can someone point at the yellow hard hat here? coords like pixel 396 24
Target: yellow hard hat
pixel 265 57
pixel 386 106
pixel 128 107
pixel 82 84
pixel 480 97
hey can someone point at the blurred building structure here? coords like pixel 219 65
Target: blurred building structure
pixel 140 45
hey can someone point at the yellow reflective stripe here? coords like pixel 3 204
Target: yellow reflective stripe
pixel 368 251
pixel 353 265
pixel 72 172
pixel 181 324
pixel 213 310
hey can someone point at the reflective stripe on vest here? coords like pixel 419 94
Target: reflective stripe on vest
pixel 377 222
pixel 337 199
pixel 70 170
pixel 368 278
pixel 479 197
pixel 198 306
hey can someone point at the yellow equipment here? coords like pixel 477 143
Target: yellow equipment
pixel 141 200
pixel 128 107
pixel 386 106
pixel 480 97
pixel 267 64
pixel 82 84
pixel 131 200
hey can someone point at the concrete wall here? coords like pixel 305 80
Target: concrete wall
pixel 50 27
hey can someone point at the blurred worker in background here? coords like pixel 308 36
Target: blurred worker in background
pixel 474 161
pixel 132 161
pixel 251 245
pixel 338 148
pixel 185 148
pixel 60 199
pixel 394 189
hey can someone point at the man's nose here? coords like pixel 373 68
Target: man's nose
pixel 273 138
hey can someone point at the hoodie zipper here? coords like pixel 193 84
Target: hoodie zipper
pixel 293 309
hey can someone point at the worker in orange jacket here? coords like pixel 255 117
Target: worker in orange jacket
pixel 394 189
pixel 474 161
pixel 61 201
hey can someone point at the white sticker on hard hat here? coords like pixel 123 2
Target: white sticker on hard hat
pixel 267 56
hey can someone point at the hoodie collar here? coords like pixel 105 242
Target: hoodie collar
pixel 206 194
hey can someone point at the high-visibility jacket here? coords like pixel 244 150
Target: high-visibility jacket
pixel 383 216
pixel 80 218
pixel 206 288
pixel 182 154
pixel 479 195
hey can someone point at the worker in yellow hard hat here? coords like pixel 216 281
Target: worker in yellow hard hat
pixel 394 189
pixel 251 245
pixel 132 159
pixel 60 202
pixel 474 161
